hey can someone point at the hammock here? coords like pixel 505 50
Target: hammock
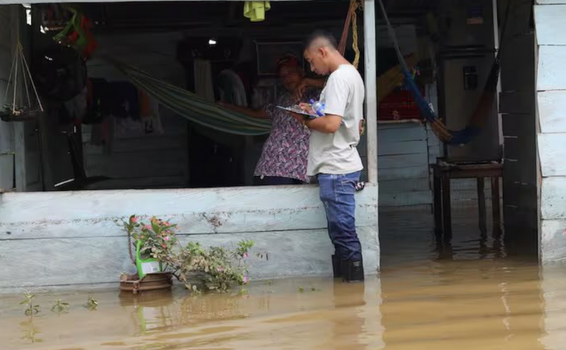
pixel 450 137
pixel 194 108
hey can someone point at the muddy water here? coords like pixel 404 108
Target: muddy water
pixel 465 295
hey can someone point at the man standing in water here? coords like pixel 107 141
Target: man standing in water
pixel 333 156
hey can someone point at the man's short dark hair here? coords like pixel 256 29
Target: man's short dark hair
pixel 321 34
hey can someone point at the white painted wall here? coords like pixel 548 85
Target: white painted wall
pixel 403 165
pixel 551 137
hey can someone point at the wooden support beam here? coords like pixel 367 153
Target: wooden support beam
pixel 370 60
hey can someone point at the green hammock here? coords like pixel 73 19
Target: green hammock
pixel 194 108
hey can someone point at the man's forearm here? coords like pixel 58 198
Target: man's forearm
pixel 327 124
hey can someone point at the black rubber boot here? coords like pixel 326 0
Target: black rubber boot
pixel 353 270
pixel 337 266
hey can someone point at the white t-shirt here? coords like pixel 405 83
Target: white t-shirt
pixel 337 153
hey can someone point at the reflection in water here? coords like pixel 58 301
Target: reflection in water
pixel 472 305
pixel 150 312
pixel 463 293
pixel 30 332
pixel 554 293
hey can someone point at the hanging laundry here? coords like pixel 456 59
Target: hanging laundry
pixel 125 128
pixel 77 107
pixel 231 88
pixel 204 86
pixel 124 100
pixel 255 10
pixel 102 134
pixel 149 113
pixel 99 98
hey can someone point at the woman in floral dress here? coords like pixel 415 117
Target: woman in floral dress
pixel 285 153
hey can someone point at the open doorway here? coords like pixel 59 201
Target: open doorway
pixel 482 142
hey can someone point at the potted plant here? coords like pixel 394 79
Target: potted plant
pixel 158 252
pixel 153 242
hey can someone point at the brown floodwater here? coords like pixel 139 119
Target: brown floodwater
pixel 465 295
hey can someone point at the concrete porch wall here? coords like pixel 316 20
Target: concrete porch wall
pixel 62 238
pixel 551 135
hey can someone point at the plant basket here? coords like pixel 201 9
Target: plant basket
pixel 150 282
pixel 21 116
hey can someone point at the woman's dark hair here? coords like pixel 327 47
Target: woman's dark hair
pixel 288 60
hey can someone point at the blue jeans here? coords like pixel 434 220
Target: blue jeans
pixel 337 195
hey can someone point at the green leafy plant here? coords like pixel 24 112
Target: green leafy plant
pixel 91 304
pixel 157 237
pixel 214 268
pixel 60 307
pixel 28 300
pixel 199 268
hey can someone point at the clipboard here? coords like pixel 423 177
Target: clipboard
pixel 298 110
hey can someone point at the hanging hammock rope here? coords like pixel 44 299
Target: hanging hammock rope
pixel 485 103
pixel 351 18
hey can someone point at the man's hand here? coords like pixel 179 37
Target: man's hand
pixel 307 108
pixel 327 124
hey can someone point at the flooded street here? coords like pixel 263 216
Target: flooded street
pixel 466 295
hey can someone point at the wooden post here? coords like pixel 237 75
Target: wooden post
pixel 19 128
pixel 437 206
pixel 495 202
pixel 370 66
pixel 446 207
pixel 481 204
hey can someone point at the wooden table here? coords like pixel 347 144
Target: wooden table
pixel 443 172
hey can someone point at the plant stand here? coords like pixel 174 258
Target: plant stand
pixel 150 282
pixel 25 116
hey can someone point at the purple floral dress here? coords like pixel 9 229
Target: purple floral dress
pixel 285 153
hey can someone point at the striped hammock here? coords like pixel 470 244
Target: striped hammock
pixel 194 108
